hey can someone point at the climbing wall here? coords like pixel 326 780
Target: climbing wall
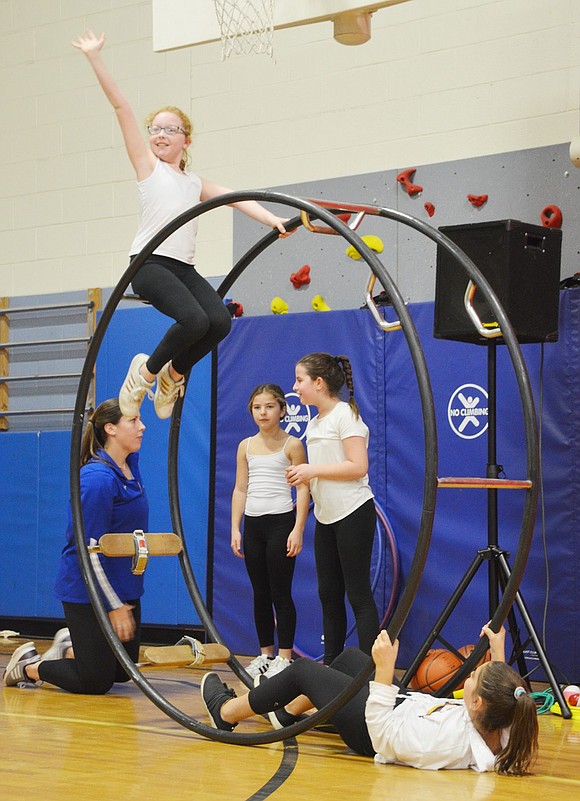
pixel 535 186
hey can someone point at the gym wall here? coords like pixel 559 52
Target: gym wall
pixel 438 81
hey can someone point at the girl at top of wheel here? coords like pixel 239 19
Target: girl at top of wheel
pixel 168 278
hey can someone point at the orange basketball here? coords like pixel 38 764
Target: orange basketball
pixel 467 650
pixel 435 670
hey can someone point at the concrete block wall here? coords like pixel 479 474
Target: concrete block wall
pixel 438 81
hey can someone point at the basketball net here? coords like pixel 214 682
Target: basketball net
pixel 246 26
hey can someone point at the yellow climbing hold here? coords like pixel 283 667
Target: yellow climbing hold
pixel 371 241
pixel 319 304
pixel 279 305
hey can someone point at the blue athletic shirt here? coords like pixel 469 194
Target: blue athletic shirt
pixel 111 503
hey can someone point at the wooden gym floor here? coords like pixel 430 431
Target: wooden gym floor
pixel 120 747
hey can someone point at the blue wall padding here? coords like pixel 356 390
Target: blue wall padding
pixel 53 493
pixel 461 519
pixel 35 475
pixel 36 494
pixel 19 524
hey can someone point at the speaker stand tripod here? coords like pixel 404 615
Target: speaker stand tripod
pixel 498 568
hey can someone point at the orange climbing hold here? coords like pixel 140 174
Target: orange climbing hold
pixel 477 200
pixel 429 208
pixel 405 178
pixel 235 309
pixel 301 277
pixel 551 217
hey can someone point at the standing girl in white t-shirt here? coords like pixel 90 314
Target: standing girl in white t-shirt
pixel 337 442
pixel 272 529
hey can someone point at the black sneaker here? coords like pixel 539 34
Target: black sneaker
pixel 214 694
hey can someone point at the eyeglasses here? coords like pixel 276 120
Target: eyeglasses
pixel 170 130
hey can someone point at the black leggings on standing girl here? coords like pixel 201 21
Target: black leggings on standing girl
pixel 343 553
pixel 271 572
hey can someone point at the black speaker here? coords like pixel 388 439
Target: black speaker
pixel 522 264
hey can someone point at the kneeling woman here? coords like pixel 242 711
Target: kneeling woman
pixel 495 727
pixel 113 500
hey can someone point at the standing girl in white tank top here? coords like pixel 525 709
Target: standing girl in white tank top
pixel 272 535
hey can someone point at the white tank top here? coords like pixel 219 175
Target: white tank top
pixel 269 492
pixel 163 196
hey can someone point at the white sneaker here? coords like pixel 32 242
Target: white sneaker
pixel 259 665
pixel 60 645
pixel 14 675
pixel 167 392
pixel 277 665
pixel 134 387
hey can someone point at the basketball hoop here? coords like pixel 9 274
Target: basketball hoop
pixel 352 27
pixel 246 26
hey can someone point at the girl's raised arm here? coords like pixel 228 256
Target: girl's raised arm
pixel 251 208
pixel 496 642
pixel 384 653
pixel 140 155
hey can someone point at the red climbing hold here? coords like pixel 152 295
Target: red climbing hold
pixel 235 309
pixel 477 200
pixel 551 217
pixel 301 277
pixel 405 178
pixel 429 208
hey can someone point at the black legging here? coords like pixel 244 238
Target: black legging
pixel 321 685
pixel 94 669
pixel 271 572
pixel 201 319
pixel 343 553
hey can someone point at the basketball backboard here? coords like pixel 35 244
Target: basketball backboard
pixel 179 23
